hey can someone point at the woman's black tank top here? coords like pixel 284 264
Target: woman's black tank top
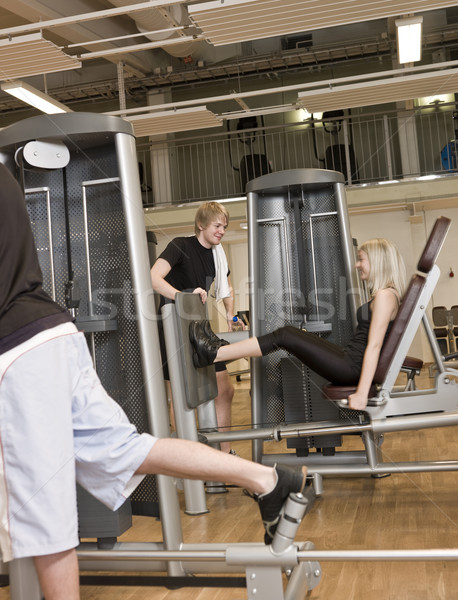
pixel 354 350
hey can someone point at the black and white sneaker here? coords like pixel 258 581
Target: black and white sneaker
pixel 271 504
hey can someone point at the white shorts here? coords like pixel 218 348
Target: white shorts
pixel 58 425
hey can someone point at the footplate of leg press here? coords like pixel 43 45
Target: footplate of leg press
pixel 295 509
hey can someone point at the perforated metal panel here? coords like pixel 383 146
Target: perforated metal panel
pixel 300 278
pixel 116 352
pixel 303 402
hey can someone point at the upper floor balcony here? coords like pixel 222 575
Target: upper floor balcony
pixel 368 148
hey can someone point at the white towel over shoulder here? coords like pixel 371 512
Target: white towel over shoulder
pixel 222 289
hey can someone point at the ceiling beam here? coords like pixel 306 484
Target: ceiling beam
pixel 330 83
pixel 84 17
pixel 73 29
pixel 138 47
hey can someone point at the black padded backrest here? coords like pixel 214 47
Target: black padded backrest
pixel 425 264
pixel 401 321
pixel 434 244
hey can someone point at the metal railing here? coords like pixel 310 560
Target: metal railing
pixel 366 148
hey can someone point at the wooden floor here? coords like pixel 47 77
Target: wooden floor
pixel 403 511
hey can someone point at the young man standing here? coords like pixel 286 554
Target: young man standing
pixel 190 264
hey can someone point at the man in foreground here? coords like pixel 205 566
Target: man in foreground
pixel 58 425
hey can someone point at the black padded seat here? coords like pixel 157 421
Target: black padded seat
pixel 412 367
pixel 341 392
pixel 425 264
pixel 440 332
pixel 412 363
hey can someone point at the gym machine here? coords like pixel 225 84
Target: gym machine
pixel 389 409
pixel 80 177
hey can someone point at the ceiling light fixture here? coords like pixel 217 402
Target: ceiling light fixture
pixel 329 85
pixel 29 55
pixel 230 21
pixel 370 93
pixel 171 121
pixel 409 39
pixel 30 95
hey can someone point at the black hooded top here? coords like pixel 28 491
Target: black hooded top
pixel 25 308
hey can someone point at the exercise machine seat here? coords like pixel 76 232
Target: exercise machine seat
pixel 338 392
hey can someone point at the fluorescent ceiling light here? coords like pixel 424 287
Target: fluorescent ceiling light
pixel 30 95
pixel 438 98
pixel 409 39
pixel 304 114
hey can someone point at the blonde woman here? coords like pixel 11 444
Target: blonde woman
pixel 382 267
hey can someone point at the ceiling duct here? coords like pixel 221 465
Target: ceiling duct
pixel 157 19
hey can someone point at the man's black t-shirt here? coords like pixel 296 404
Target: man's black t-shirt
pixel 25 308
pixel 192 265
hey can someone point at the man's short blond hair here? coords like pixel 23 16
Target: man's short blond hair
pixel 207 213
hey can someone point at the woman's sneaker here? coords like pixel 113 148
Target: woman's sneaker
pixel 208 331
pixel 204 346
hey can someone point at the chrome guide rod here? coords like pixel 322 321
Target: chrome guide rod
pixel 347 249
pixel 46 190
pixel 262 555
pixel 148 333
pixel 90 306
pixel 315 283
pixel 282 223
pixel 84 185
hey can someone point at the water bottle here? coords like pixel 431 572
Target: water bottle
pixel 237 325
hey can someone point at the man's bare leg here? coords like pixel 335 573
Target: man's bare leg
pixel 192 460
pixel 58 575
pixel 270 486
pixel 223 405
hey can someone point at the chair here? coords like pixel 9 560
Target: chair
pixel 441 332
pixel 454 313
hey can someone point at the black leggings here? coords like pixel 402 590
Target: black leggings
pixel 323 357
